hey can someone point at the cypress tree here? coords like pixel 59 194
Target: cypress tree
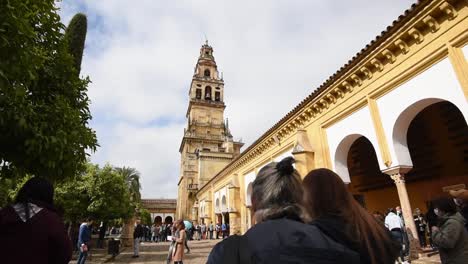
pixel 75 35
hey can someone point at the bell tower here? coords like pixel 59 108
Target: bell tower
pixel 207 145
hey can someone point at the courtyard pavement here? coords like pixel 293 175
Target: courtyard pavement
pixel 154 253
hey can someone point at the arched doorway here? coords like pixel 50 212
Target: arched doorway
pixel 437 142
pixel 168 220
pixel 373 189
pixel 158 220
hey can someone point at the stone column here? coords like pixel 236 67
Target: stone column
pixel 303 153
pixel 234 223
pixel 397 174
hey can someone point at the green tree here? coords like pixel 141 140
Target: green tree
pixel 43 102
pixel 132 177
pixel 110 197
pixel 98 192
pixel 75 35
pixel 145 217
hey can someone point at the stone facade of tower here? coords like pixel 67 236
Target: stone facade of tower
pixel 207 145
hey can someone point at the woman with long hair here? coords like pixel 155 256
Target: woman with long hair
pixel 335 212
pixel 280 234
pixel 179 237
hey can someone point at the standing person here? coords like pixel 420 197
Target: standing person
pixel 450 236
pixel 138 233
pixel 199 233
pixel 203 230
pixel 217 228
pixel 102 235
pixel 394 224
pixel 31 231
pixel 179 238
pixel 223 230
pixel 280 235
pixel 460 198
pixel 210 229
pixel 431 218
pixel 336 213
pixel 420 222
pixel 84 237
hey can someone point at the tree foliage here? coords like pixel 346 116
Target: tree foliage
pixel 75 35
pixel 132 177
pixel 145 217
pixel 99 192
pixel 43 102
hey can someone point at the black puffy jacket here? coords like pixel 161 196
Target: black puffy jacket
pixel 282 241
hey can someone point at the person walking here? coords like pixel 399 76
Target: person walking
pixel 450 236
pixel 336 213
pixel 211 229
pixel 394 224
pixel 179 238
pixel 84 237
pixel 138 233
pixel 31 230
pixel 280 234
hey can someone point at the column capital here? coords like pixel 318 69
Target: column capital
pixel 397 170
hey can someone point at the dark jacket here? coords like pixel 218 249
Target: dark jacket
pixel 41 239
pixel 452 240
pixel 335 228
pixel 464 213
pixel 84 236
pixel 285 241
pixel 138 232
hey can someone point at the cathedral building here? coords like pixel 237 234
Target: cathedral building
pixel 392 122
pixel 207 145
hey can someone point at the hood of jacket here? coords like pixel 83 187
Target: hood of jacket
pixel 457 217
pixel 16 213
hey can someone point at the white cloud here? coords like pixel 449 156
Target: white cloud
pixel 140 57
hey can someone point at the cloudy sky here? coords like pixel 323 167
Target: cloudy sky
pixel 140 57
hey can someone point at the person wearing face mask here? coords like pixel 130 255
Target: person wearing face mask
pixel 460 197
pixel 450 236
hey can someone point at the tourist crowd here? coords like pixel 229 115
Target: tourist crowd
pixel 314 220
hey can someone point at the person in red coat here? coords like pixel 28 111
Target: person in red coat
pixel 31 231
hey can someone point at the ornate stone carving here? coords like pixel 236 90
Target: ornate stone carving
pixel 324 103
pixel 356 79
pixel 431 23
pixel 331 98
pixel 416 34
pixel 389 55
pixel 402 45
pixel 398 178
pixel 377 64
pixel 366 72
pixel 449 10
pixel 338 92
pixel 347 86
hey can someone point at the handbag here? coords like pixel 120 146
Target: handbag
pixel 84 248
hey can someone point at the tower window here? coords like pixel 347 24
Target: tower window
pixel 208 93
pixel 217 96
pixel 198 93
pixel 207 73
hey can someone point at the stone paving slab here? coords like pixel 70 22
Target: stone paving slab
pixel 156 253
